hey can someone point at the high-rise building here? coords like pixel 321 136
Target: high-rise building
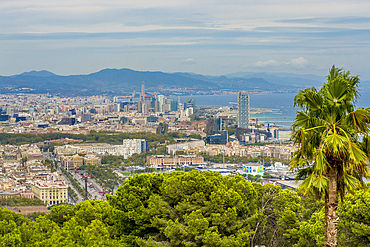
pixel 174 105
pixel 110 108
pixel 142 96
pixel 160 99
pixel 145 108
pixel 117 107
pixel 85 118
pixel 189 111
pixel 147 100
pixel 219 124
pixel 10 111
pixel 243 110
pixel 180 106
pixel 156 106
pixel 222 138
pixel 166 108
pixel 213 126
pixel 140 106
pixel 152 103
pixel 190 103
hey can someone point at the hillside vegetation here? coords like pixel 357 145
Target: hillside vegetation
pixel 191 209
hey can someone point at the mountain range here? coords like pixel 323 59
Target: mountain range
pixel 124 81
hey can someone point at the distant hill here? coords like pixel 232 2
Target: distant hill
pixel 42 73
pixel 121 81
pixel 297 80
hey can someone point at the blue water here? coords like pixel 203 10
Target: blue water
pixel 282 101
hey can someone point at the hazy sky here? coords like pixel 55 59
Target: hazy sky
pixel 205 36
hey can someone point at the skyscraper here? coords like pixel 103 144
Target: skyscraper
pixel 243 110
pixel 160 99
pixel 174 105
pixel 156 106
pixel 190 103
pixel 139 106
pixel 142 96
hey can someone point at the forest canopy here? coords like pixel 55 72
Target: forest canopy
pixel 191 209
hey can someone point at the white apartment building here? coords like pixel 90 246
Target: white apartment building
pixel 134 144
pixel 127 149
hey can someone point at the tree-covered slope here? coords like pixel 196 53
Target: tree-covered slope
pixel 191 209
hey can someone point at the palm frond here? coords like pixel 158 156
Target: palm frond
pixel 359 119
pixel 336 144
pixel 320 164
pixel 327 133
pixel 356 155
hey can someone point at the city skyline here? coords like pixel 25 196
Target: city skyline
pixel 210 37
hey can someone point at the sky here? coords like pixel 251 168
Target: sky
pixel 210 37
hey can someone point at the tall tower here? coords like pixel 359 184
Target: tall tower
pixel 190 103
pixel 142 96
pixel 243 110
pixel 160 99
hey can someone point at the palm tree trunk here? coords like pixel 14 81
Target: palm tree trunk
pixel 326 215
pixel 332 218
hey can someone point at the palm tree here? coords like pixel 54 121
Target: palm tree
pixel 327 129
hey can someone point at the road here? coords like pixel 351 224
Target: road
pixel 50 156
pixel 93 187
pixel 70 200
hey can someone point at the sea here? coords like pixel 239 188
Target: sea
pixel 284 102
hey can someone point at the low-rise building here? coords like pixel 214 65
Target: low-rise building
pixel 174 161
pixel 78 160
pixel 67 162
pixel 51 192
pixel 5 194
pixel 92 160
pixel 171 149
pixel 27 193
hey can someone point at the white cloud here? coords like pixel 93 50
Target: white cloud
pixel 264 64
pixel 299 62
pixel 188 61
pixel 295 63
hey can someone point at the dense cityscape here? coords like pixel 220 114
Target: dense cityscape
pixel 27 167
pixel 184 123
